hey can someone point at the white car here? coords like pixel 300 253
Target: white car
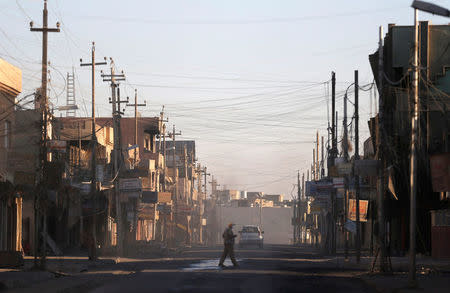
pixel 251 235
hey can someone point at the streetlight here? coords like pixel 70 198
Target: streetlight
pixel 431 8
pixel 434 9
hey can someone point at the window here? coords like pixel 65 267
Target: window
pixel 146 143
pixel 151 143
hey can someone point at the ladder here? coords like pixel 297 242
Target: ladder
pixel 70 94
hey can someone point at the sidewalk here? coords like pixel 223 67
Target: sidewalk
pixel 57 266
pixel 398 282
pixel 432 275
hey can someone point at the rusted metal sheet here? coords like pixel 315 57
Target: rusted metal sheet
pixel 363 204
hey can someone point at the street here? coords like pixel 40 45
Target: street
pixel 272 269
pixel 139 141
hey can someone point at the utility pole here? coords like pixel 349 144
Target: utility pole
pixel 162 144
pixel 79 168
pixel 322 164
pixel 165 156
pixel 345 149
pixel 135 105
pixel 313 169
pixel 299 210
pixel 92 250
pixel 198 170
pixel 413 158
pixel 173 134
pixel 204 175
pixel 317 156
pixel 380 156
pixel 333 110
pixel 356 176
pixel 115 101
pixel 304 198
pixel 42 105
pixel 175 168
pixel 332 156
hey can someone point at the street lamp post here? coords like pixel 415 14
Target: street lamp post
pixel 434 9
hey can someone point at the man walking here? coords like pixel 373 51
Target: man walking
pixel 228 242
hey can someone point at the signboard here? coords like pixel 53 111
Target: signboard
pixel 130 184
pixel 315 209
pixel 344 169
pixel 363 204
pixel 149 197
pixel 156 197
pixel 440 172
pixel 350 226
pixel 366 167
pixel 57 145
pixel 164 197
pixel 318 188
pixel 163 208
pixel 338 182
pixel 146 211
pixel 333 171
pixel 182 208
pixel 24 178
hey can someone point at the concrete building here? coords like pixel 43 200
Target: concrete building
pixel 434 119
pixel 10 197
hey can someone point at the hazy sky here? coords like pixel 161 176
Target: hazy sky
pixel 246 79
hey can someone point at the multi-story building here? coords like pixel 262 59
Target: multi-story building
pixel 10 199
pixel 433 136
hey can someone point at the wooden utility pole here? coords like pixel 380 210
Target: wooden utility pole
pixel 357 188
pixel 92 248
pixel 135 105
pixel 42 106
pixel 113 78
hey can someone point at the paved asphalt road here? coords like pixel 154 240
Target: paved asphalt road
pixel 272 269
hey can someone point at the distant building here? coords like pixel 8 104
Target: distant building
pixel 228 195
pixel 253 195
pixel 276 198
